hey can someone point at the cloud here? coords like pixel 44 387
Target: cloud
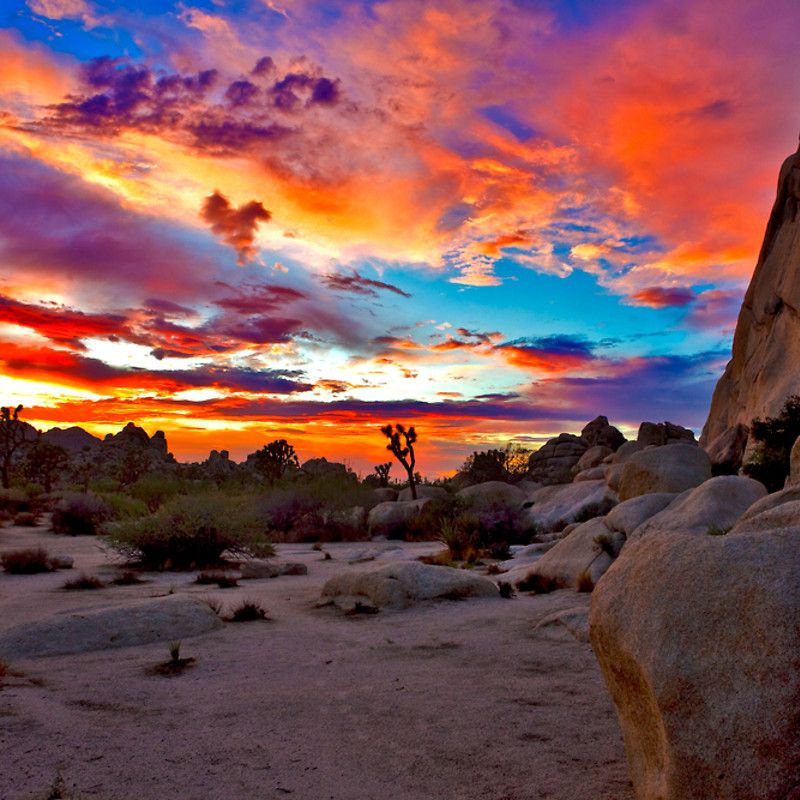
pixel 358 284
pixel 65 9
pixel 549 354
pixel 236 226
pixel 661 297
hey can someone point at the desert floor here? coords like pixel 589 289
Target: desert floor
pixel 444 701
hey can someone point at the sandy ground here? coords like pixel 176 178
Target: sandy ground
pixel 444 701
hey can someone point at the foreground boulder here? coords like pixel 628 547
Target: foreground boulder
pixel 389 519
pixel 491 495
pixel 629 515
pixel 136 623
pixel 555 507
pixel 669 468
pixel 698 641
pixel 713 507
pixel 794 465
pixel 398 586
pixel 776 510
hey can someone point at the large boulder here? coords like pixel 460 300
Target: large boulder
pixel 579 560
pixel 763 370
pixel 390 518
pixel 599 433
pixel 669 468
pixel 776 510
pixel 384 494
pixel 629 515
pixel 555 507
pixel 492 494
pixel 625 452
pixel 794 465
pixel 727 450
pixel 423 493
pixel 657 434
pixel 713 507
pixel 134 623
pixel 697 639
pixel 553 462
pixel 593 457
pixel 397 586
pixel 321 466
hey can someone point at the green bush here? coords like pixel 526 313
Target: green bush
pixel 80 514
pixel 192 531
pixel 122 506
pixel 155 489
pixel 775 435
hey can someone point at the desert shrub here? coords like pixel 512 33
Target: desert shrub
pixel 716 530
pixel 775 437
pixel 14 500
pixel 247 611
pixel 26 562
pixel 155 489
pixel 27 519
pixel 191 531
pixel 585 582
pixel 222 580
pixel 506 590
pixel 127 578
pixel 80 514
pixel 83 582
pixel 122 506
pixel 539 584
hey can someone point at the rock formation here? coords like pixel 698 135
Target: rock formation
pixel 763 370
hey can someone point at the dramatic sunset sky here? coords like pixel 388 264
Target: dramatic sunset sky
pixel 241 220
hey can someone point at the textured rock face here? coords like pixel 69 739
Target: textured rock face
pixel 553 462
pixel 705 712
pixel 671 468
pixel 794 461
pixel 599 433
pixel 493 494
pixel 555 507
pixel 714 506
pixel 661 433
pixel 727 450
pixel 763 370
pixel 628 516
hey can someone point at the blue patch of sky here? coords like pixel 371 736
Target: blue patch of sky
pixel 505 118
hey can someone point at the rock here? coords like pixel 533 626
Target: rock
pixel 371 553
pixel 492 494
pixel 763 370
pixel 256 569
pixel 529 487
pixel 554 507
pixel 786 515
pixel 390 519
pixel 713 506
pixel 727 450
pixel 62 562
pixel 134 623
pixel 580 559
pixel 612 474
pixel 397 586
pixel 794 468
pixel 786 496
pixel 574 621
pixel 553 462
pixel 424 493
pixel 662 433
pixel 599 433
pixel 670 468
pixel 697 639
pixel 593 457
pixel 384 494
pixel 354 518
pixel 219 463
pixel 625 452
pixel 593 474
pixel 630 514
pixel 321 466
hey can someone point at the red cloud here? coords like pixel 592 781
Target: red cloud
pixel 236 226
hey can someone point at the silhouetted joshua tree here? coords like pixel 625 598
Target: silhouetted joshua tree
pixel 12 437
pixel 44 461
pixel 274 459
pixel 383 473
pixel 401 445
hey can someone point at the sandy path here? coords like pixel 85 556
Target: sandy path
pixel 446 701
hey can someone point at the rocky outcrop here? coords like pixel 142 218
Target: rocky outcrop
pixel 491 495
pixel 321 466
pixel 73 440
pixel 763 370
pixel 629 515
pixel 697 639
pixel 711 508
pixel 555 507
pixel 598 432
pixel 670 468
pixel 400 585
pixel 658 434
pixel 389 519
pixel 727 450
pixel 553 462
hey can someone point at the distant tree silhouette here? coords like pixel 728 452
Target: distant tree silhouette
pixel 12 437
pixel 496 465
pixel 382 471
pixel 43 461
pixel 274 459
pixel 401 445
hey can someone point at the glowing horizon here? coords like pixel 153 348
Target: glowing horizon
pixel 246 220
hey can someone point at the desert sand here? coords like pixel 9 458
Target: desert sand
pixel 443 701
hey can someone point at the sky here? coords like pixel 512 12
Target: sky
pixel 243 220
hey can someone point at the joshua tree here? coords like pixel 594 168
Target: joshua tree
pixel 43 461
pixel 274 459
pixel 401 445
pixel 382 471
pixel 12 437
